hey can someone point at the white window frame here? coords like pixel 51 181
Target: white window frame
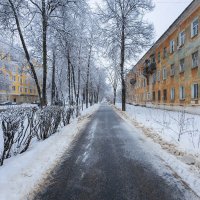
pixel 144 83
pixel 181 93
pixel 181 38
pixel 195 59
pixel 172 70
pixel 195 91
pixel 154 78
pixel 172 46
pixel 172 94
pixel 195 28
pixel 164 73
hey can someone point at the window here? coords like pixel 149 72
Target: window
pixel 164 52
pixel 195 27
pixel 181 38
pixel 158 75
pixel 26 90
pixel 164 73
pixel 195 59
pixel 158 56
pixel 154 78
pixel 159 95
pixel 182 93
pixel 172 46
pixel 182 65
pixel 172 95
pixel 164 95
pixel 30 90
pixel 148 96
pixel 172 73
pixel 154 96
pixel 13 88
pixel 144 83
pixel 14 78
pixel 195 91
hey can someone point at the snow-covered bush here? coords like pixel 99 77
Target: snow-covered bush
pixel 21 125
pixel 47 121
pixel 17 124
pixel 67 113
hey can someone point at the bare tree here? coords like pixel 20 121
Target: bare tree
pixel 125 31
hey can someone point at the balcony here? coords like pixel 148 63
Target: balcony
pixel 149 68
pixel 152 67
pixel 133 81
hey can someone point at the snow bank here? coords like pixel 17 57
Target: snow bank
pixel 21 174
pixel 177 128
pixel 165 143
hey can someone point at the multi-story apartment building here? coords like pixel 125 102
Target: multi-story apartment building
pixel 169 72
pixel 16 85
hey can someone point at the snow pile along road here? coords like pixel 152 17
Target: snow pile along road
pixel 182 166
pixel 21 174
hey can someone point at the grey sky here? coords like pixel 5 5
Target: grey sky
pixel 163 15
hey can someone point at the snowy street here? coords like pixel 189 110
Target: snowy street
pixel 110 159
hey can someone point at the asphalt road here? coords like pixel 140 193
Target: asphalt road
pixel 109 161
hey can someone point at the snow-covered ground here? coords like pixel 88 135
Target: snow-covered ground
pixel 4 107
pixel 175 127
pixel 21 174
pixel 158 125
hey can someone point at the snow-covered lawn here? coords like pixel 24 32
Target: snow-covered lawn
pixel 21 174
pixel 158 125
pixel 178 128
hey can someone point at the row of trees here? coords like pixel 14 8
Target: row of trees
pixel 126 34
pixel 58 39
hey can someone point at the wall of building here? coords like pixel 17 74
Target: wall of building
pixel 146 88
pixel 21 87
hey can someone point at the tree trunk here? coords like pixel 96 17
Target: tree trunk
pixel 87 79
pixel 53 91
pixel 44 51
pixel 122 69
pixel 69 78
pixel 34 75
pixel 115 94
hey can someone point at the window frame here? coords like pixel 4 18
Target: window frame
pixel 164 74
pixel 193 90
pixel 182 93
pixel 181 38
pixel 194 65
pixel 182 67
pixel 172 46
pixel 193 33
pixel 172 94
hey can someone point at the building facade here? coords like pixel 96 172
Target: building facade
pixel 16 84
pixel 169 72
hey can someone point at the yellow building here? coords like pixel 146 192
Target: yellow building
pixel 169 73
pixel 16 84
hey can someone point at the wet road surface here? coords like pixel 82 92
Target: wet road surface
pixel 110 161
